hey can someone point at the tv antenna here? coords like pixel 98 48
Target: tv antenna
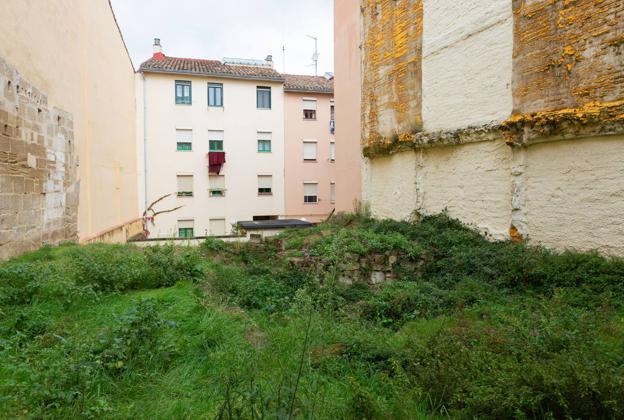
pixel 316 54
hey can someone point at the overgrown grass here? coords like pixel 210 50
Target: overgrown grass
pixel 464 328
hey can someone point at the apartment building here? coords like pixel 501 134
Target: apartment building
pixel 211 142
pixel 310 150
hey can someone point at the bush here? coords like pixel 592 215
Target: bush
pixel 138 337
pixel 539 361
pixel 20 282
pixel 121 267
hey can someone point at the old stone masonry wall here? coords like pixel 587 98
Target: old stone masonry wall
pixel 38 177
pixel 507 114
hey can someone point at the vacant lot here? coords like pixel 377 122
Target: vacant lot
pixel 356 318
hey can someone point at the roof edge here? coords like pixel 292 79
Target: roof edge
pixel 123 41
pixel 216 75
pixel 301 90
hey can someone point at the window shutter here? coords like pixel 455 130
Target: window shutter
pixel 215 134
pixel 265 181
pixel 309 104
pixel 184 136
pixel 332 150
pixel 309 150
pixel 217 227
pixel 265 135
pixel 217 182
pixel 186 224
pixel 332 192
pixel 185 183
pixel 310 189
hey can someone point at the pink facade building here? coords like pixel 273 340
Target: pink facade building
pixel 348 100
pixel 309 150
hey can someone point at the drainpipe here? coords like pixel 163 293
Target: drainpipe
pixel 144 139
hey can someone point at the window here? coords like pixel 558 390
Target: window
pixel 183 92
pixel 217 185
pixel 185 185
pixel 332 151
pixel 263 97
pixel 310 192
pixel 217 227
pixel 184 140
pixel 215 140
pixel 309 109
pixel 332 121
pixel 332 192
pixel 309 150
pixel 215 94
pixel 265 184
pixel 264 142
pixel 216 145
pixel 259 218
pixel 186 228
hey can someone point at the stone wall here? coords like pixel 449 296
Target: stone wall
pixel 567 53
pixel 38 181
pixel 521 111
pixel 391 70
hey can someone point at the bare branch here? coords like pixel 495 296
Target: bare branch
pixel 166 211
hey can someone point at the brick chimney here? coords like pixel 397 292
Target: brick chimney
pixel 158 55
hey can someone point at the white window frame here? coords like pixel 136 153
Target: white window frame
pixel 308 158
pixel 307 200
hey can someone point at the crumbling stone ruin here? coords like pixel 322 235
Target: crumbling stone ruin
pixel 509 115
pixel 38 177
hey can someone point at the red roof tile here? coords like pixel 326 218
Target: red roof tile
pixel 213 68
pixel 312 84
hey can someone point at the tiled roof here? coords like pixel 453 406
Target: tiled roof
pixel 301 83
pixel 213 68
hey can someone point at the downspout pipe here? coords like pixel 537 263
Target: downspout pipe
pixel 144 140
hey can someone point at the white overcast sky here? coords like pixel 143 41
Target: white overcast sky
pixel 214 29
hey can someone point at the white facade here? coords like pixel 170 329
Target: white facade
pixel 162 123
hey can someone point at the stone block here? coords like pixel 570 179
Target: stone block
pixel 377 277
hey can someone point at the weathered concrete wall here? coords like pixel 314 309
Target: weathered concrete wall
pixel 522 116
pixel 575 194
pixel 467 63
pixel 567 53
pixel 471 182
pixel 38 176
pixel 391 67
pixel 118 234
pixel 389 185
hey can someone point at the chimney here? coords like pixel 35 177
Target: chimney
pixel 158 55
pixel 269 60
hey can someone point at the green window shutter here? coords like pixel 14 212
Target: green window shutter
pixel 185 233
pixel 184 146
pixel 216 145
pixel 264 146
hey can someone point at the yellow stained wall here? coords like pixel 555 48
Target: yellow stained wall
pixel 73 50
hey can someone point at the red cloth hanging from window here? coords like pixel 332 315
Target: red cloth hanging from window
pixel 215 162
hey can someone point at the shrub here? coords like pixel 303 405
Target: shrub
pixel 403 301
pixel 117 268
pixel 20 282
pixel 139 336
pixel 540 361
pixel 213 245
pixel 109 267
